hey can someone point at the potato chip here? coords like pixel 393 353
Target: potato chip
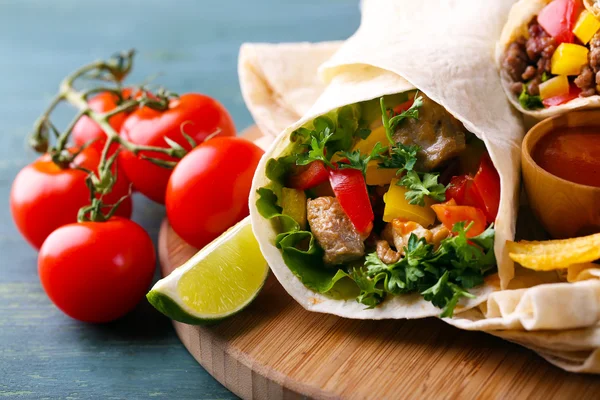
pixel 555 254
pixel 583 272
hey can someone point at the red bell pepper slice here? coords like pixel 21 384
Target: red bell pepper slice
pixel 464 191
pixel 449 214
pixel 574 93
pixel 308 177
pixel 487 182
pixel 558 19
pixel 400 108
pixel 351 192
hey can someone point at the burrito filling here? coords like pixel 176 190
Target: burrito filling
pixel 371 201
pixel 558 57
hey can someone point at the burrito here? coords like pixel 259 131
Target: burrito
pixel 549 56
pixel 393 196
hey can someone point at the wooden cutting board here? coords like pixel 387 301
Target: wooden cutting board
pixel 276 349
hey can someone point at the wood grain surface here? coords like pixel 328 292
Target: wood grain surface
pixel 185 45
pixel 276 349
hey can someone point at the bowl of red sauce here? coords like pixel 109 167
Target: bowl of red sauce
pixel 561 173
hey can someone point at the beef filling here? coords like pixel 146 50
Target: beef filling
pixel 527 59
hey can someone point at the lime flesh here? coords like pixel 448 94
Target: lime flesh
pixel 220 280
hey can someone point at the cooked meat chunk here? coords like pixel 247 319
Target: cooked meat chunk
pixel 516 88
pixel 397 233
pixel 334 231
pixel 586 81
pixel 533 88
pixel 594 54
pixel 515 60
pixel 527 59
pixel 386 253
pixel 440 135
pixel 540 47
pixel 530 73
pixel 439 233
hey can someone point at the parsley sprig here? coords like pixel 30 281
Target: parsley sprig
pixel 356 160
pixel 441 276
pixel 317 147
pixel 421 185
pixel 323 142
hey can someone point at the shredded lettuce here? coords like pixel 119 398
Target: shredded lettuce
pixel 300 251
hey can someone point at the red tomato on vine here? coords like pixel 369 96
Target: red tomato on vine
pixel 97 271
pixel 197 115
pixel 209 188
pixel 86 130
pixel 45 196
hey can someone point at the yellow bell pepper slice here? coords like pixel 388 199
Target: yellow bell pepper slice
pixel 569 58
pixel 586 27
pixel 367 145
pixel 396 206
pixel 379 176
pixel 556 86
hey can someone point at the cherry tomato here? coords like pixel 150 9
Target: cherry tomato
pixel 208 190
pixel 45 197
pixel 195 114
pixel 97 271
pixel 86 130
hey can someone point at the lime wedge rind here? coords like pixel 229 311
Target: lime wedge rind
pixel 165 296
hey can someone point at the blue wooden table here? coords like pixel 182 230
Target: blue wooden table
pixel 193 45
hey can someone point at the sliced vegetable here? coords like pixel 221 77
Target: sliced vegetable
pixel 462 189
pixel 574 92
pixel 376 136
pixel 555 254
pixel 450 214
pixel 310 176
pixel 293 203
pixel 379 176
pixel 397 206
pixel 557 86
pixel 586 27
pixel 487 182
pixel 569 58
pixel 400 108
pixel 558 19
pixel 351 192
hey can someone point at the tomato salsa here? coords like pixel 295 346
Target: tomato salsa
pixel 572 154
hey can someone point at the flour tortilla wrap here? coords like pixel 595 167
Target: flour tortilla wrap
pixel 462 79
pixel 516 25
pixel 279 83
pixel 570 343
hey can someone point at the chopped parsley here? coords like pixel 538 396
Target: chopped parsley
pixel 441 276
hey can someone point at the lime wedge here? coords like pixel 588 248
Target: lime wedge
pixel 220 280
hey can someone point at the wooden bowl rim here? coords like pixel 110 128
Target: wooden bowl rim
pixel 529 144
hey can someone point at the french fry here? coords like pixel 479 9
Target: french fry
pixel 555 254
